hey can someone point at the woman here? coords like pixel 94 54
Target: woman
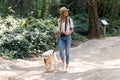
pixel 65 28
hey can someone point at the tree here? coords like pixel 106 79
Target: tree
pixel 94 24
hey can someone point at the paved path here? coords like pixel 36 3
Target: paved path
pixel 91 60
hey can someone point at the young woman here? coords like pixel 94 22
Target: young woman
pixel 65 28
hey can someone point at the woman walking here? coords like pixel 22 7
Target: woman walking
pixel 65 28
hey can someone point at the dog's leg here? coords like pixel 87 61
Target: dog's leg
pixel 49 63
pixel 50 66
pixel 46 67
pixel 55 62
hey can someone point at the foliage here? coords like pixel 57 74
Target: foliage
pixel 113 28
pixel 75 6
pixel 81 24
pixel 26 8
pixel 45 8
pixel 26 37
pixel 80 28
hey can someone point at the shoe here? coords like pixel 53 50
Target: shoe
pixel 63 68
pixel 66 70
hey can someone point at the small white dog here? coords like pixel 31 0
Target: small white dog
pixel 50 60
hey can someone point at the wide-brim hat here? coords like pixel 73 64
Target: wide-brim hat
pixel 62 9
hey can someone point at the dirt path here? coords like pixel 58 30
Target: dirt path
pixel 92 60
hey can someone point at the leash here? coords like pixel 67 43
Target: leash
pixel 55 47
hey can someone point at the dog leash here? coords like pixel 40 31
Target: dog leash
pixel 55 47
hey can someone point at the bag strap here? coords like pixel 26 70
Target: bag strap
pixel 65 26
pixel 70 23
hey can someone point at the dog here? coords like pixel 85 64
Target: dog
pixel 50 60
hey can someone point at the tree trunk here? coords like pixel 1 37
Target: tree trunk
pixel 94 24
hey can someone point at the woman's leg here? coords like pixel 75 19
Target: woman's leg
pixel 61 49
pixel 67 49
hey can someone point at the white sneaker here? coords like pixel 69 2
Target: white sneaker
pixel 66 70
pixel 63 68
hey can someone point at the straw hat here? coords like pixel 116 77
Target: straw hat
pixel 62 9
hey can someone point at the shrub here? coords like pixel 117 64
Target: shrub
pixel 21 38
pixel 81 24
pixel 113 29
pixel 80 27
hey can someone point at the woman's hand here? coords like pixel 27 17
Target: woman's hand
pixel 56 42
pixel 68 33
pixel 57 37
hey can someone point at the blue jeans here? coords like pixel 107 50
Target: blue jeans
pixel 65 43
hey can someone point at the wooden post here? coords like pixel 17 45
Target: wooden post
pixel 104 31
pixel 104 23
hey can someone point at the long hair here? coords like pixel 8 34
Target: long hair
pixel 62 19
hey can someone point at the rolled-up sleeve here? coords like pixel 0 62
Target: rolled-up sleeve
pixel 71 23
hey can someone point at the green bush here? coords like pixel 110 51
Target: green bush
pixel 21 38
pixel 113 29
pixel 80 27
pixel 81 24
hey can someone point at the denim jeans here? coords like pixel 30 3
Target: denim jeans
pixel 65 44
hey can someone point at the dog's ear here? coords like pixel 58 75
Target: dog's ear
pixel 42 55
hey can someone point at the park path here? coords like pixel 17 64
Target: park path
pixel 92 60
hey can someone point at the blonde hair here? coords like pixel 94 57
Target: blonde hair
pixel 63 19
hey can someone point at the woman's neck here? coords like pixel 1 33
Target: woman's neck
pixel 64 18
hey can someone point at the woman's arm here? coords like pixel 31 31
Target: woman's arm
pixel 71 31
pixel 57 37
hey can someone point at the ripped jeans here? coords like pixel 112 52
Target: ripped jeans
pixel 65 44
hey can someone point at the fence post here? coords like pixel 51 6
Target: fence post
pixel 104 31
pixel 104 23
